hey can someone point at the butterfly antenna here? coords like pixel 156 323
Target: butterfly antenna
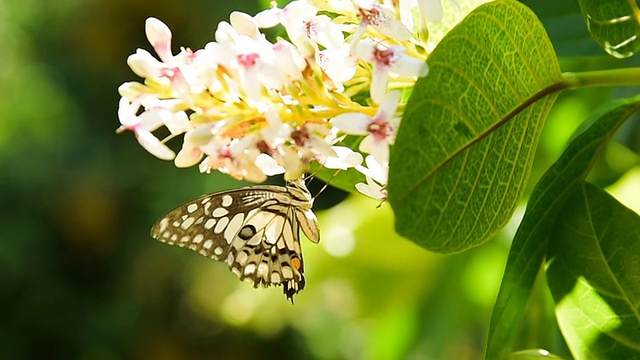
pixel 327 183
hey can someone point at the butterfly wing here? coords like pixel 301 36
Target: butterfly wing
pixel 266 250
pixel 254 230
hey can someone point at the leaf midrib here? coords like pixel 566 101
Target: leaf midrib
pixel 550 89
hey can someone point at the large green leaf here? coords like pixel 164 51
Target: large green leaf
pixel 566 28
pixel 614 25
pixel 529 245
pixel 464 150
pixel 594 275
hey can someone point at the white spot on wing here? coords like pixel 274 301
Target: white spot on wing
pixel 289 236
pixel 275 278
pixel 242 258
pixel 234 227
pixel 286 272
pixel 227 200
pixel 263 269
pixel 221 225
pixel 207 244
pixel 218 212
pixel 218 251
pixel 255 240
pixel 275 228
pixel 209 224
pixel 164 223
pixel 249 269
pixel 192 207
pixel 198 238
pixel 187 223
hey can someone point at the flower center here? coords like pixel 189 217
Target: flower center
pixel 300 136
pixel 379 129
pixel 383 56
pixel 248 60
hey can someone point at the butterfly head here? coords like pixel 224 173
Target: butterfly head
pixel 298 189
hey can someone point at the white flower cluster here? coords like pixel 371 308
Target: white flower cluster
pixel 253 108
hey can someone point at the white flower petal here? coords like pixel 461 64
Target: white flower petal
pixel 352 123
pixel 251 84
pixel 345 158
pixel 132 90
pixel 379 83
pixel 321 146
pixel 244 24
pixel 374 170
pixel 154 146
pixel 431 9
pixel 324 32
pixel 337 63
pixel 379 150
pixel 389 105
pixel 371 189
pixel 354 43
pixel 144 64
pixel 367 144
pixel 188 156
pixel 394 28
pixel 152 119
pixel 289 60
pixel 199 136
pixel 365 49
pixel 295 13
pixel 178 123
pixel 409 66
pixel 268 18
pixel 127 112
pixel 159 37
pixel 268 165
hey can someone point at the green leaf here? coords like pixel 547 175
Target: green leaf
pixel 464 149
pixel 529 245
pixel 565 25
pixel 614 25
pixel 533 355
pixel 594 275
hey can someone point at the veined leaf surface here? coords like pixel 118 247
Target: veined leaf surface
pixel 466 143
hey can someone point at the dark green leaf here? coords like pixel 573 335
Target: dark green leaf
pixel 566 27
pixel 529 245
pixel 533 355
pixel 594 275
pixel 614 25
pixel 464 150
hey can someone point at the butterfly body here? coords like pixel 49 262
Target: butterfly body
pixel 255 230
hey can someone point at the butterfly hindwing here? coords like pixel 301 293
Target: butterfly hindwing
pixel 255 230
pixel 267 251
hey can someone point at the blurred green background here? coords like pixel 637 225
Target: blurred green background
pixel 81 279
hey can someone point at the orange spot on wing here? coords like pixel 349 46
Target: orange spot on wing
pixel 295 262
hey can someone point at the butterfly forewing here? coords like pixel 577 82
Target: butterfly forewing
pixel 255 230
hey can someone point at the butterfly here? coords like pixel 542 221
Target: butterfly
pixel 255 230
